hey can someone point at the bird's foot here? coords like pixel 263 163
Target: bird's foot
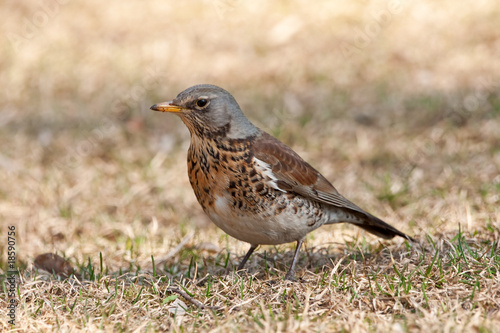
pixel 290 276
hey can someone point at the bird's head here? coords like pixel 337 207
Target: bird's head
pixel 209 111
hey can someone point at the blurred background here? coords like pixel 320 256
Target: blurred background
pixel 397 104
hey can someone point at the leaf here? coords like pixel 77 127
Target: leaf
pixel 55 264
pixel 169 299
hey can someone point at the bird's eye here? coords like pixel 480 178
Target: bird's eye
pixel 202 102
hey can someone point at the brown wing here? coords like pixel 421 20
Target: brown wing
pixel 296 175
pixel 293 174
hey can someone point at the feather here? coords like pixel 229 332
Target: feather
pixel 293 174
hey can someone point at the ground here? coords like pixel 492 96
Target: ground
pixel 397 104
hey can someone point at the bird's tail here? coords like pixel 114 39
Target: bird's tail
pixel 379 228
pixel 370 223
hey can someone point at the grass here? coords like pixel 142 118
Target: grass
pixel 450 276
pixel 399 111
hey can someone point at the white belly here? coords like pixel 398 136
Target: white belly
pixel 266 226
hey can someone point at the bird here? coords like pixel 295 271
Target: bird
pixel 251 185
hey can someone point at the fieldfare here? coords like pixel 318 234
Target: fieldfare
pixel 253 186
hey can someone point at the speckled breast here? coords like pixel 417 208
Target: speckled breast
pixel 242 200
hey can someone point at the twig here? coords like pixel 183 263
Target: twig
pixel 174 251
pixel 190 299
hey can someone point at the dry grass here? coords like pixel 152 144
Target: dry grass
pixel 397 105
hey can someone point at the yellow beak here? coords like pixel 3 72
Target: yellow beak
pixel 166 107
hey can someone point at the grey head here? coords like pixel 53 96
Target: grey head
pixel 208 110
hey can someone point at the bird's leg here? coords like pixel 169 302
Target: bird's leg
pixel 290 275
pixel 249 253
